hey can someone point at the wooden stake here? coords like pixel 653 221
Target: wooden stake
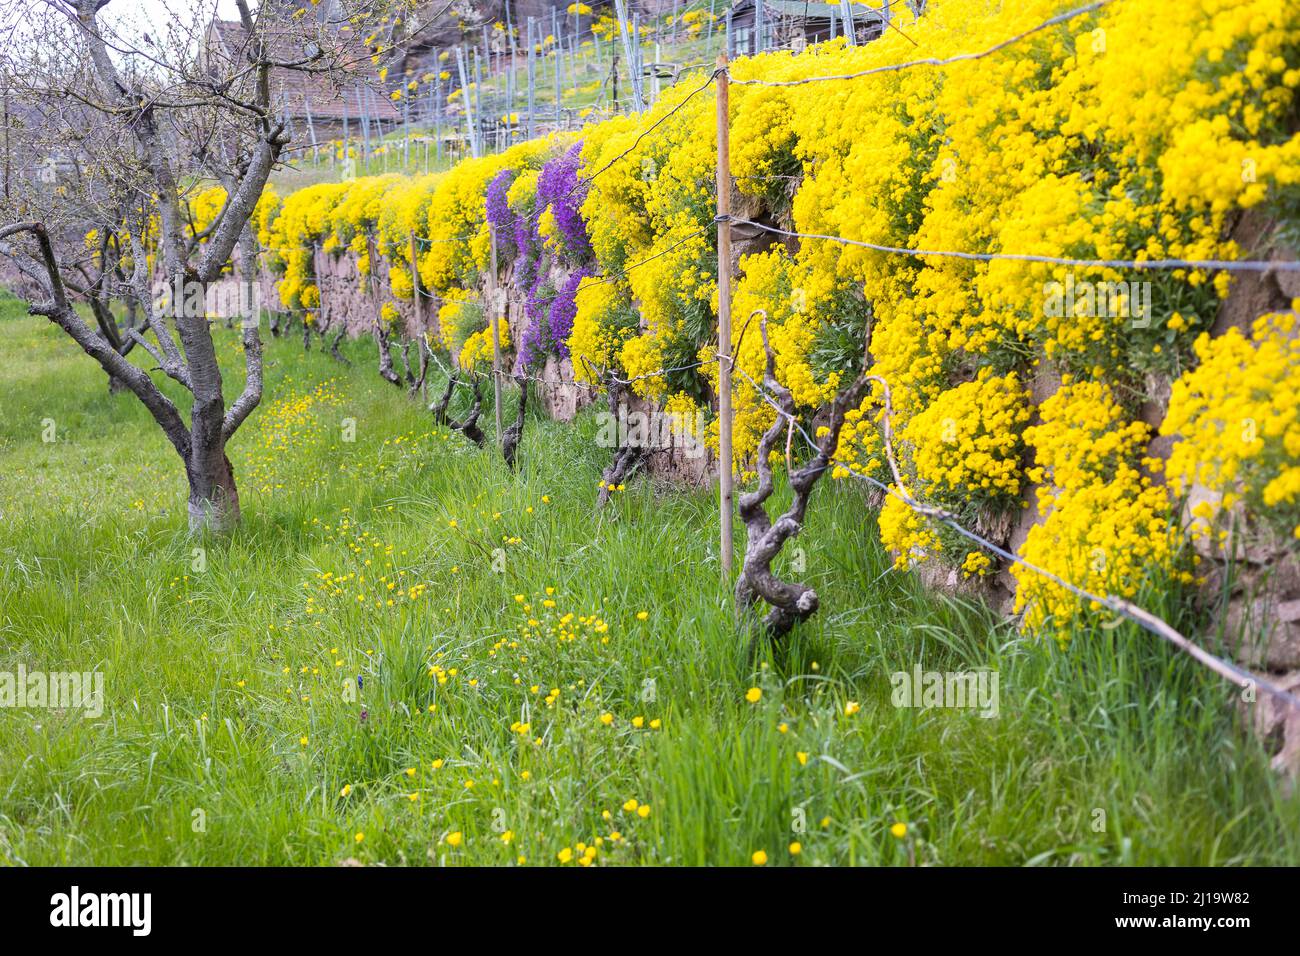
pixel 724 316
pixel 496 330
pixel 415 285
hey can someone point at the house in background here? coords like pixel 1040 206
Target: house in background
pixel 758 25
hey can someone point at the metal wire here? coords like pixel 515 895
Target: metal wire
pixel 1210 265
pixel 1143 618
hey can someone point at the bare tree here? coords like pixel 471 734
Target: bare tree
pixel 150 118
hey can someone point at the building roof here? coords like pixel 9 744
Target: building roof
pixel 299 94
pixel 812 11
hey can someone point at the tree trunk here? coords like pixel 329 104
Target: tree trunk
pixel 214 499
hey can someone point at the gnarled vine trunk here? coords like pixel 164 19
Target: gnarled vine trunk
pixel 790 601
pixel 515 433
pixel 629 455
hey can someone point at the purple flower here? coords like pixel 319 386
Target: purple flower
pixel 564 309
pixel 498 205
pixel 562 188
pixel 550 312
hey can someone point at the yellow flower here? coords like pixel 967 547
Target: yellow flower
pixel 796 848
pixel 759 858
pixel 454 838
pixel 754 695
pixel 899 830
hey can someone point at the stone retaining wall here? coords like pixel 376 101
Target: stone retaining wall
pixel 1262 608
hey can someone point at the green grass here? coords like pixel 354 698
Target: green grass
pixel 186 766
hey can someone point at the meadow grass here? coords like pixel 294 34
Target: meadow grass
pixel 362 634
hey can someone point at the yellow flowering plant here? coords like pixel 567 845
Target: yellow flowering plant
pixel 1120 134
pixel 1237 416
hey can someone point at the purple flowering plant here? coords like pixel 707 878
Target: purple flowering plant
pixel 550 309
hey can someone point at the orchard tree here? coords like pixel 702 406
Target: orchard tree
pixel 146 117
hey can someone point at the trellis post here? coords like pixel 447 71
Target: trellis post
pixel 724 317
pixel 466 93
pixel 532 79
pixel 630 55
pixel 495 306
pixel 419 310
pixel 850 23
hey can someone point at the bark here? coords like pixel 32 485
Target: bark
pixel 411 383
pixel 628 457
pixel 251 396
pixel 515 433
pixel 214 499
pixel 469 427
pixel 334 347
pixel 386 370
pixel 790 602
pixel 420 384
pixel 439 408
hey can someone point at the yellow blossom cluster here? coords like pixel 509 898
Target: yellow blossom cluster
pixel 967 441
pixel 1238 419
pixel 1120 134
pixel 1105 523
